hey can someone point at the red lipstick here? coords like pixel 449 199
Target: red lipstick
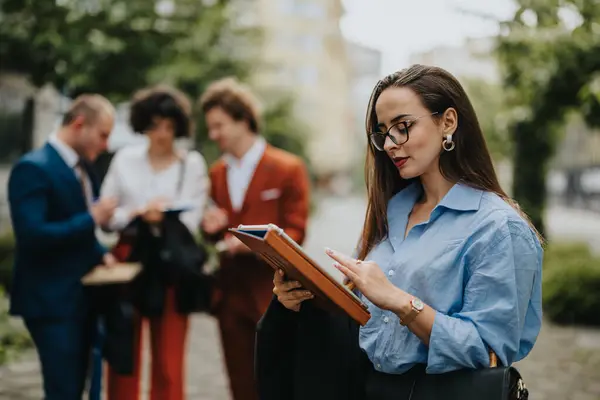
pixel 400 161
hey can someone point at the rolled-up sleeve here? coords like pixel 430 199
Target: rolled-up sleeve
pixel 497 299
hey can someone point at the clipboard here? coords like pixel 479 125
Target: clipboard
pixel 119 273
pixel 273 245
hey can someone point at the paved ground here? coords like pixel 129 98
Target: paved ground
pixel 564 365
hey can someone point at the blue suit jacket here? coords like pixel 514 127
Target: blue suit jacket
pixel 55 236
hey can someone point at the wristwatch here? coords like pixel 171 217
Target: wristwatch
pixel 416 307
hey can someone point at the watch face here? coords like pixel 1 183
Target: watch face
pixel 418 304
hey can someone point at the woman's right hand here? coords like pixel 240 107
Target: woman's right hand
pixel 284 290
pixel 153 212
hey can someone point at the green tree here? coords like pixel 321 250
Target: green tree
pixel 550 55
pixel 104 46
pixel 115 47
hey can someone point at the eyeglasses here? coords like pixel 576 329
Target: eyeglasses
pixel 398 133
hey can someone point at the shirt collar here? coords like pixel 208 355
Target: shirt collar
pixel 460 197
pixel 252 156
pixel 70 157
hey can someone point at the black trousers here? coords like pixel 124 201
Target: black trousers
pixel 381 386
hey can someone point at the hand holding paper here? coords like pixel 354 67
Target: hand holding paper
pixel 153 212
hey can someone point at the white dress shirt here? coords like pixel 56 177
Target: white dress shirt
pixel 71 158
pixel 241 171
pixel 133 181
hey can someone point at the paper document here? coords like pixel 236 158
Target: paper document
pixel 119 273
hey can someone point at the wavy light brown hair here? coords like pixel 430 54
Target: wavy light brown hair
pixel 236 99
pixel 469 163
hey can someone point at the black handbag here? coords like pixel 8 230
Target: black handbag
pixel 494 383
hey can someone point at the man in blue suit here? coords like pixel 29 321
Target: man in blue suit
pixel 51 193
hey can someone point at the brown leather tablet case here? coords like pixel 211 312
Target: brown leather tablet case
pixel 281 252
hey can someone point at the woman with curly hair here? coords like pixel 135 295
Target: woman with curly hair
pixel 146 179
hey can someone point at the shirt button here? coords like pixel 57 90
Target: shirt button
pixel 378 366
pixel 386 320
pixel 390 273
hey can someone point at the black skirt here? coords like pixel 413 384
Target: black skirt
pixel 382 386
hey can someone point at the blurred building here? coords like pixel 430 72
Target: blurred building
pixel 365 72
pixel 303 53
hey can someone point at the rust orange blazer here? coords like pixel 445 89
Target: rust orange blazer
pixel 278 193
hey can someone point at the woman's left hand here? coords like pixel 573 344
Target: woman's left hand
pixel 368 278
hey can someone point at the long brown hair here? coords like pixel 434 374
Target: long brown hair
pixel 469 163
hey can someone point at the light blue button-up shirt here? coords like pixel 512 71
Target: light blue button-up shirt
pixel 478 264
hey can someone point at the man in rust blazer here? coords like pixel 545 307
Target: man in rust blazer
pixel 253 183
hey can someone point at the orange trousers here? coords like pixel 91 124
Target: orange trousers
pixel 167 344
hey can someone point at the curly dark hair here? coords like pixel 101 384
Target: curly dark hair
pixel 163 102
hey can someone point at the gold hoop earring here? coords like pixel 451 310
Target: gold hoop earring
pixel 448 144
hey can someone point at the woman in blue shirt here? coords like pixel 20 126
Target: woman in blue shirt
pixel 451 267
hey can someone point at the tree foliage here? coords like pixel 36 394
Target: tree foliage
pixel 104 46
pixel 115 47
pixel 550 55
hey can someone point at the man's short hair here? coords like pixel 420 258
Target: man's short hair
pixel 90 107
pixel 235 99
pixel 161 101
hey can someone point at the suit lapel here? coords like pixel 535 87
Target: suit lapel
pixel 222 196
pixel 66 172
pixel 259 180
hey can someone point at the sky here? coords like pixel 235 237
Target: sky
pixel 399 28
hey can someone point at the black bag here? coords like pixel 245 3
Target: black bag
pixel 184 258
pixel 494 383
pixel 289 359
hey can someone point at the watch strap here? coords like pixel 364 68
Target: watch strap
pixel 409 317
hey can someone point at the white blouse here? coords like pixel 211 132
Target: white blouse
pixel 131 179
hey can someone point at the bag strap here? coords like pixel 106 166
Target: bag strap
pixel 493 359
pixel 521 390
pixel 183 162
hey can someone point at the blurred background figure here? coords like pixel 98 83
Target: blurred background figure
pixel 146 180
pixel 253 183
pixel 52 196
